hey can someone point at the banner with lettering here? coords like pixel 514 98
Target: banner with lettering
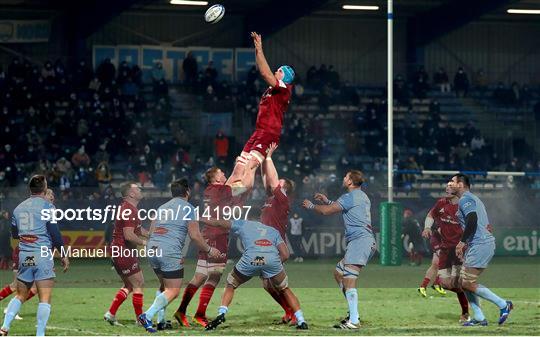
pixel 24 31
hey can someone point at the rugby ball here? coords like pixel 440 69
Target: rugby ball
pixel 214 13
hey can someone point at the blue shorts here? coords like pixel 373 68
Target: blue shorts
pixel 169 267
pixel 478 255
pixel 359 251
pixel 265 265
pixel 33 267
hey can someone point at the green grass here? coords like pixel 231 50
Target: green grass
pixel 389 303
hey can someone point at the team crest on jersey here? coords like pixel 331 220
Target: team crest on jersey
pixel 29 261
pixel 258 261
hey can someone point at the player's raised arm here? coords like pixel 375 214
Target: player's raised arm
pixel 260 59
pixel 269 173
pixel 129 235
pixel 195 235
pixel 328 209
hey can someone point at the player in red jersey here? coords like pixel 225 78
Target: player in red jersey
pixel 435 243
pixel 275 213
pixel 446 224
pixel 218 195
pixel 274 102
pixel 10 288
pixel 128 234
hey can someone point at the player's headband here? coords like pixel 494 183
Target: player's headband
pixel 288 74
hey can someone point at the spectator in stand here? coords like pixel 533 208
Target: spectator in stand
pixel 221 145
pixel 190 71
pixel 5 240
pixel 80 158
pixel 440 79
pixel 296 225
pixel 461 83
pixel 106 71
pixel 477 143
pixel 158 73
pixel 103 175
pixel 400 90
pixel 82 76
pixel 47 72
pixel 210 74
pixel 515 94
pixel 480 81
pixel 333 77
pixel 311 77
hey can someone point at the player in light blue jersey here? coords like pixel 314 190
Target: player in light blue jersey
pixel 37 238
pixel 264 254
pixel 167 238
pixel 355 207
pixel 476 248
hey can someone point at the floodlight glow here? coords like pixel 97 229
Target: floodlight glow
pixel 523 11
pixel 361 8
pixel 189 3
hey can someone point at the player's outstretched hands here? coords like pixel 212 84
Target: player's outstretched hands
pixel 321 198
pixel 271 149
pixel 257 40
pixel 65 263
pixel 307 204
pixel 214 253
pixel 426 233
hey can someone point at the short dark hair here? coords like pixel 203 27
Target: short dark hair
pixel 357 177
pixel 124 189
pixel 180 187
pixel 210 173
pixel 37 184
pixel 461 178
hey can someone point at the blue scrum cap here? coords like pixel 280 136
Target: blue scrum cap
pixel 288 73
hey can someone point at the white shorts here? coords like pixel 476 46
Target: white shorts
pixel 204 267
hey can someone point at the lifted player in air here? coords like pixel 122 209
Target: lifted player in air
pixel 34 233
pixel 275 213
pixel 218 196
pixel 274 102
pixel 167 238
pixel 476 248
pixel 10 288
pixel 264 254
pixel 355 207
pixel 442 221
pixel 128 234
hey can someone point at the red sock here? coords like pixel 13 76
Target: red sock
pixel 120 297
pixel 204 298
pixel 437 281
pixel 5 292
pixel 30 295
pixel 188 295
pixel 280 300
pixel 425 283
pixel 137 301
pixel 285 305
pixel 463 302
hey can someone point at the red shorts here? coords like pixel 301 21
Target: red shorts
pixel 126 266
pixel 435 241
pixel 260 141
pixel 221 243
pixel 448 258
pixel 15 258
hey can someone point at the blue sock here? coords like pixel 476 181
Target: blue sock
pixel 352 300
pixel 161 313
pixel 43 313
pixel 299 316
pixel 12 310
pixel 475 306
pixel 222 310
pixel 487 294
pixel 160 302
